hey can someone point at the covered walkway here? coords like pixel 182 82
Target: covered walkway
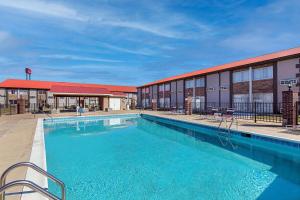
pixel 91 98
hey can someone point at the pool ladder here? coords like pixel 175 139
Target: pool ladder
pixel 33 186
pixel 228 128
pixel 48 115
pixel 227 134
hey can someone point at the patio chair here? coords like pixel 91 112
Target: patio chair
pixel 218 116
pixel 176 111
pixel 293 129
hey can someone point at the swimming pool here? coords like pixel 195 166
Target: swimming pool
pixel 146 157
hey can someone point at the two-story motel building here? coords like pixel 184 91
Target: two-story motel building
pixel 257 79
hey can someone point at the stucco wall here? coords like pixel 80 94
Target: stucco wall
pixel 154 92
pixel 2 96
pixel 50 98
pixel 286 70
pixel 61 101
pixel 180 96
pixel 32 96
pixel 150 94
pixel 139 97
pixel 173 94
pixel 213 82
pixel 225 82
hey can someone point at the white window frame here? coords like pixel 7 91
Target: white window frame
pixel 161 102
pixel 189 83
pixel 262 73
pixel 200 82
pixel 161 88
pixel 167 87
pixel 241 76
pixel 167 102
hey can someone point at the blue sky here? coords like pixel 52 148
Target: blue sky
pixel 135 42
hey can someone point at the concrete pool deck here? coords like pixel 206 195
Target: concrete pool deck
pixel 17 133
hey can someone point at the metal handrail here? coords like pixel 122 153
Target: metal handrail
pixel 48 115
pixel 37 169
pixel 29 184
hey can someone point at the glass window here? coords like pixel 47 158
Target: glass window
pixel 41 92
pixel 161 88
pixel 263 73
pixel 241 76
pixel 161 102
pixel 189 84
pixel 146 90
pixel 241 103
pixel 200 82
pixel 198 102
pixel 263 97
pixel 167 87
pixel 23 91
pixel 241 98
pixel 147 103
pixel 167 102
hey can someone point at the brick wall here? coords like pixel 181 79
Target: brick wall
pixel 262 86
pixel 123 104
pixel 167 93
pixel 105 103
pixel 160 94
pixel 298 76
pixel 241 88
pixel 200 91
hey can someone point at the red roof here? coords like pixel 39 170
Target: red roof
pixel 79 90
pixel 232 65
pixel 119 94
pixel 32 84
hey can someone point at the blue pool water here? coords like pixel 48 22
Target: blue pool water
pixel 130 157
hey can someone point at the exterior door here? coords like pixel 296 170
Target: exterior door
pixel 115 103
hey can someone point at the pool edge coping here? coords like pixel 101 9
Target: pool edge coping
pixel 240 131
pixel 38 157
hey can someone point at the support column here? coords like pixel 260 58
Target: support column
pixel 231 89
pixel 154 104
pixel 194 87
pixel 205 93
pixel 250 85
pixel 289 111
pixel 188 105
pixel 176 96
pixel 275 89
pixel 56 102
pixel 219 75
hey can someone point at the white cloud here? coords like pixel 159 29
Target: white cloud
pixel 44 8
pixel 75 57
pixel 5 61
pixel 269 28
pixel 262 42
pixel 145 52
pixel 162 22
pixel 153 28
pixel 8 42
